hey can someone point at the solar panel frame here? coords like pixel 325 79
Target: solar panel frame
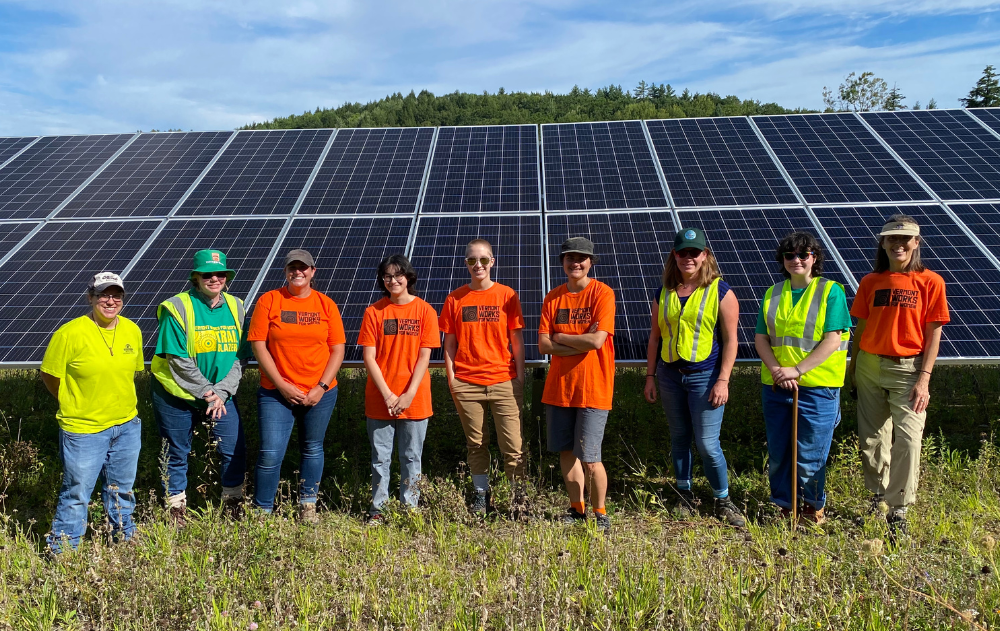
pixel 13 146
pixel 989 117
pixel 11 234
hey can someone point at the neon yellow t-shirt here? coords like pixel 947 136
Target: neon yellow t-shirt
pixel 96 385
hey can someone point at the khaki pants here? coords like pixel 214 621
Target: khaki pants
pixel 889 429
pixel 505 400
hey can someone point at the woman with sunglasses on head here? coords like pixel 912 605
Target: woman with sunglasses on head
pixel 803 329
pixel 89 367
pixel 397 335
pixel 298 339
pixel 197 371
pixel 901 307
pixel 484 360
pixel 695 310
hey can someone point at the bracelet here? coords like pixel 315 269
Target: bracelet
pixel 926 371
pixel 798 370
pixel 722 380
pixel 648 376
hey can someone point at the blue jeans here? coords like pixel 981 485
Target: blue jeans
pixel 410 437
pixel 177 419
pixel 819 414
pixel 690 417
pixel 112 455
pixel 277 417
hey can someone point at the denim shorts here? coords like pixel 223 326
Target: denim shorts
pixel 578 429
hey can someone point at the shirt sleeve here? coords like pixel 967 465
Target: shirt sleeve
pixel 368 335
pixel 837 316
pixel 140 359
pixel 170 339
pixel 604 311
pixel 515 319
pixel 860 308
pixel 260 320
pixel 544 323
pixel 430 334
pixel 336 335
pixel 937 301
pixel 447 313
pixel 724 289
pixel 54 361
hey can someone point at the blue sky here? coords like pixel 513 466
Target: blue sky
pixel 97 66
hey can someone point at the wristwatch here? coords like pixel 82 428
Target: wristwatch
pixel 324 386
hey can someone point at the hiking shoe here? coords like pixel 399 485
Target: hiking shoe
pixel 602 521
pixel 727 512
pixel 685 506
pixel 572 517
pixel 375 520
pixel 307 513
pixel 178 516
pixel 478 504
pixel 897 523
pixel 875 503
pixel 232 507
pixel 812 515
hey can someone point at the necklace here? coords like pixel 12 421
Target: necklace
pixel 114 336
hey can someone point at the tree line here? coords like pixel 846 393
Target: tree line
pixel 865 93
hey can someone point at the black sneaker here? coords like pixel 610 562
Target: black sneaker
pixel 478 504
pixel 685 506
pixel 897 524
pixel 602 521
pixel 572 517
pixel 727 512
pixel 232 508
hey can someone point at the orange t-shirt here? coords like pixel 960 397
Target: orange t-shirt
pixel 481 322
pixel 897 306
pixel 299 333
pixel 586 380
pixel 398 332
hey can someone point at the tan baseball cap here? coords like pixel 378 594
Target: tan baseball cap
pixel 907 228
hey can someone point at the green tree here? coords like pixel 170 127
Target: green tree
pixel 858 93
pixel 987 91
pixel 894 101
pixel 932 104
pixel 640 90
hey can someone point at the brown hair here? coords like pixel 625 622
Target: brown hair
pixel 882 259
pixel 800 242
pixel 672 277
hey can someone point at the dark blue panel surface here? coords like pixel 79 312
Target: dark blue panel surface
pixel 631 248
pixel 12 233
pixel 717 162
pixel 59 260
pixel 260 173
pixel 39 179
pixel 949 150
pixel 164 269
pixel 10 146
pixel 989 115
pixel 439 257
pixel 347 251
pixel 972 281
pixel 745 244
pixel 599 166
pixel 833 158
pixel 371 171
pixel 984 221
pixel 149 177
pixel 483 169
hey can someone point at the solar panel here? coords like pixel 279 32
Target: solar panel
pixel 599 166
pixel 149 177
pixel 983 220
pixel 952 153
pixel 972 280
pixel 989 115
pixel 631 248
pixel 483 169
pixel 59 260
pixel 10 146
pixel 12 233
pixel 438 256
pixel 833 158
pixel 347 252
pixel 744 242
pixel 371 171
pixel 39 179
pixel 164 268
pixel 717 162
pixel 260 173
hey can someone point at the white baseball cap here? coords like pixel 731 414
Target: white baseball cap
pixel 102 281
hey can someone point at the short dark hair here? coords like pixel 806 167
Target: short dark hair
pixel 401 263
pixel 800 242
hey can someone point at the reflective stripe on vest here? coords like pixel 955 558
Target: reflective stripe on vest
pixel 181 307
pixel 688 333
pixel 795 331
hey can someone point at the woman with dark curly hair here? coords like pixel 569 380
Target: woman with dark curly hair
pixel 803 331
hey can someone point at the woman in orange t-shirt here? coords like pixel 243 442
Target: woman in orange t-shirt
pixel 397 333
pixel 298 339
pixel 900 308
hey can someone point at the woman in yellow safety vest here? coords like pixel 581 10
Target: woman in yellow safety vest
pixel 197 371
pixel 694 311
pixel 803 331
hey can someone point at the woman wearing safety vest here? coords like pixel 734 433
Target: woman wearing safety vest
pixel 803 330
pixel 197 371
pixel 901 307
pixel 694 312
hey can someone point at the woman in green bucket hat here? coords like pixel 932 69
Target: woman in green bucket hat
pixel 197 370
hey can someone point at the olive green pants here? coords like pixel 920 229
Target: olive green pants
pixel 505 400
pixel 889 430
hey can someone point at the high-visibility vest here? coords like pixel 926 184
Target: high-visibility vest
pixel 796 330
pixel 181 308
pixel 688 333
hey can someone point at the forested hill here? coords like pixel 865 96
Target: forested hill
pixel 460 108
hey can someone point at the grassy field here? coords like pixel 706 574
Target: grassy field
pixel 440 568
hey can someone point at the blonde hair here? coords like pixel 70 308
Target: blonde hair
pixel 482 242
pixel 709 271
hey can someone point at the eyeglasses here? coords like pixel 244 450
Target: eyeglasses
pixel 688 253
pixel 791 256
pixel 296 267
pixel 110 298
pixel 211 275
pixel 483 260
pixel 388 278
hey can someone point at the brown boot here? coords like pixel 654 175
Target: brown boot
pixel 232 507
pixel 811 515
pixel 178 515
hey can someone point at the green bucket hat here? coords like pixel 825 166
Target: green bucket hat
pixel 211 261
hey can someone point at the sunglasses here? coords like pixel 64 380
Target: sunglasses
pixel 791 256
pixel 482 260
pixel 688 253
pixel 211 275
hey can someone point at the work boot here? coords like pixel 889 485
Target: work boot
pixel 812 515
pixel 602 521
pixel 727 512
pixel 307 513
pixel 896 519
pixel 478 504
pixel 232 507
pixel 178 516
pixel 685 505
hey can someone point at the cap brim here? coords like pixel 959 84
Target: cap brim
pixel 103 286
pixel 593 257
pixel 911 233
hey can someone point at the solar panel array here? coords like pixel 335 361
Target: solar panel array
pixel 142 204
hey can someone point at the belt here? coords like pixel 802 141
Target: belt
pixel 896 358
pixel 691 371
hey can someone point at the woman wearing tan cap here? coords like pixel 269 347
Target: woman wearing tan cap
pixel 900 308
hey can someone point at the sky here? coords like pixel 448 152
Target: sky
pixel 94 66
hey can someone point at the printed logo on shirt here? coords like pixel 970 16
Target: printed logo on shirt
pixel 390 327
pixel 401 326
pixel 470 314
pixel 128 350
pixel 289 317
pixel 894 297
pixel 481 313
pixel 217 339
pixel 300 317
pixel 562 316
pixel 577 315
